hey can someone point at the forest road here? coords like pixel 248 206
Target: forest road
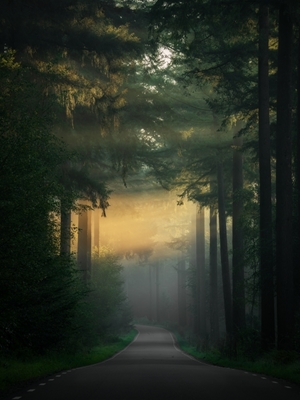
pixel 152 367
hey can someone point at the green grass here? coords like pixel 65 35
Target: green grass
pixel 269 364
pixel 18 373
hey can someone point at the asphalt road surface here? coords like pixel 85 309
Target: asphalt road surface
pixel 152 367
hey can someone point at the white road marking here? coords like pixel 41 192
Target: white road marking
pixel 111 358
pixel 31 390
pixel 138 334
pixel 180 351
pixel 17 398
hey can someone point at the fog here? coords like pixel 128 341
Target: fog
pixel 153 237
pixel 155 240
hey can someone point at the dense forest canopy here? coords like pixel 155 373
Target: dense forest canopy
pixel 200 99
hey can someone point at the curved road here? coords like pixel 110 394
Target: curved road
pixel 152 367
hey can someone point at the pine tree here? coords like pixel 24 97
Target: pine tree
pixel 265 191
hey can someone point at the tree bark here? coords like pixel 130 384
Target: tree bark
pixel 84 244
pixel 150 294
pixel 65 229
pixel 297 184
pixel 200 320
pixel 265 188
pixel 182 320
pixel 191 291
pixel 213 276
pixel 224 252
pixel 97 231
pixel 284 188
pixel 157 284
pixel 238 283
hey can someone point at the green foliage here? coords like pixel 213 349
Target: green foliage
pixel 105 311
pixel 68 80
pixel 82 54
pixel 109 312
pixel 39 291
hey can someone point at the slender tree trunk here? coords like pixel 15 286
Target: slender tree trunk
pixel 200 297
pixel 150 294
pixel 84 244
pixel 157 284
pixel 224 251
pixel 97 231
pixel 191 290
pixel 265 190
pixel 238 279
pixel 182 320
pixel 213 266
pixel 297 184
pixel 284 188
pixel 65 229
pixel 74 227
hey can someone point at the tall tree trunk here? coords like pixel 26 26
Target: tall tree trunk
pixel 238 279
pixel 265 188
pixel 200 298
pixel 84 244
pixel 192 288
pixel 224 251
pixel 96 213
pixel 150 294
pixel 65 229
pixel 297 184
pixel 284 188
pixel 157 285
pixel 213 276
pixel 182 320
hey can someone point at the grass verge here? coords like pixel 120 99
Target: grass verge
pixel 268 365
pixel 15 374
